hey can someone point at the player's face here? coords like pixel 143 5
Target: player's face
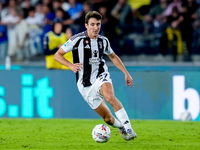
pixel 93 27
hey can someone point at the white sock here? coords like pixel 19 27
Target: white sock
pixel 123 117
pixel 117 124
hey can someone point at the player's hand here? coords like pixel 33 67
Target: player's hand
pixel 76 67
pixel 129 80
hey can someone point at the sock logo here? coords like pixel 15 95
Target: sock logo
pixel 126 122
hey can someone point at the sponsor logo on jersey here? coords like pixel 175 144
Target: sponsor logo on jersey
pixel 95 61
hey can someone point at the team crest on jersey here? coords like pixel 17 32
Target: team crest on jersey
pixel 86 41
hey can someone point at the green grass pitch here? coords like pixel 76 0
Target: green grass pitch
pixel 69 134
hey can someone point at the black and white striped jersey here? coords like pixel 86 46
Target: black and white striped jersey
pixel 89 52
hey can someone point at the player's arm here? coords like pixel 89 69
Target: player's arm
pixel 58 56
pixel 118 63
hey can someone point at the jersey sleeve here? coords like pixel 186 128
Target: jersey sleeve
pixel 108 50
pixel 68 46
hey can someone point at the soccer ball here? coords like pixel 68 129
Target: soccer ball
pixel 101 133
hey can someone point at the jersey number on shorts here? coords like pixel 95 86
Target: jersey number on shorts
pixel 103 77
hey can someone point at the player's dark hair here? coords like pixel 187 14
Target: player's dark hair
pixel 92 14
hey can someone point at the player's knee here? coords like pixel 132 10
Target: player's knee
pixel 110 98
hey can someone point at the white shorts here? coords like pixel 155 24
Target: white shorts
pixel 91 94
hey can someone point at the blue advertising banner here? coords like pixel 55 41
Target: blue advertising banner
pixel 158 93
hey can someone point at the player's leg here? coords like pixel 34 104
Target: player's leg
pixel 107 116
pixel 108 92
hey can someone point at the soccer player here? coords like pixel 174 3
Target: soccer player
pixel 93 78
